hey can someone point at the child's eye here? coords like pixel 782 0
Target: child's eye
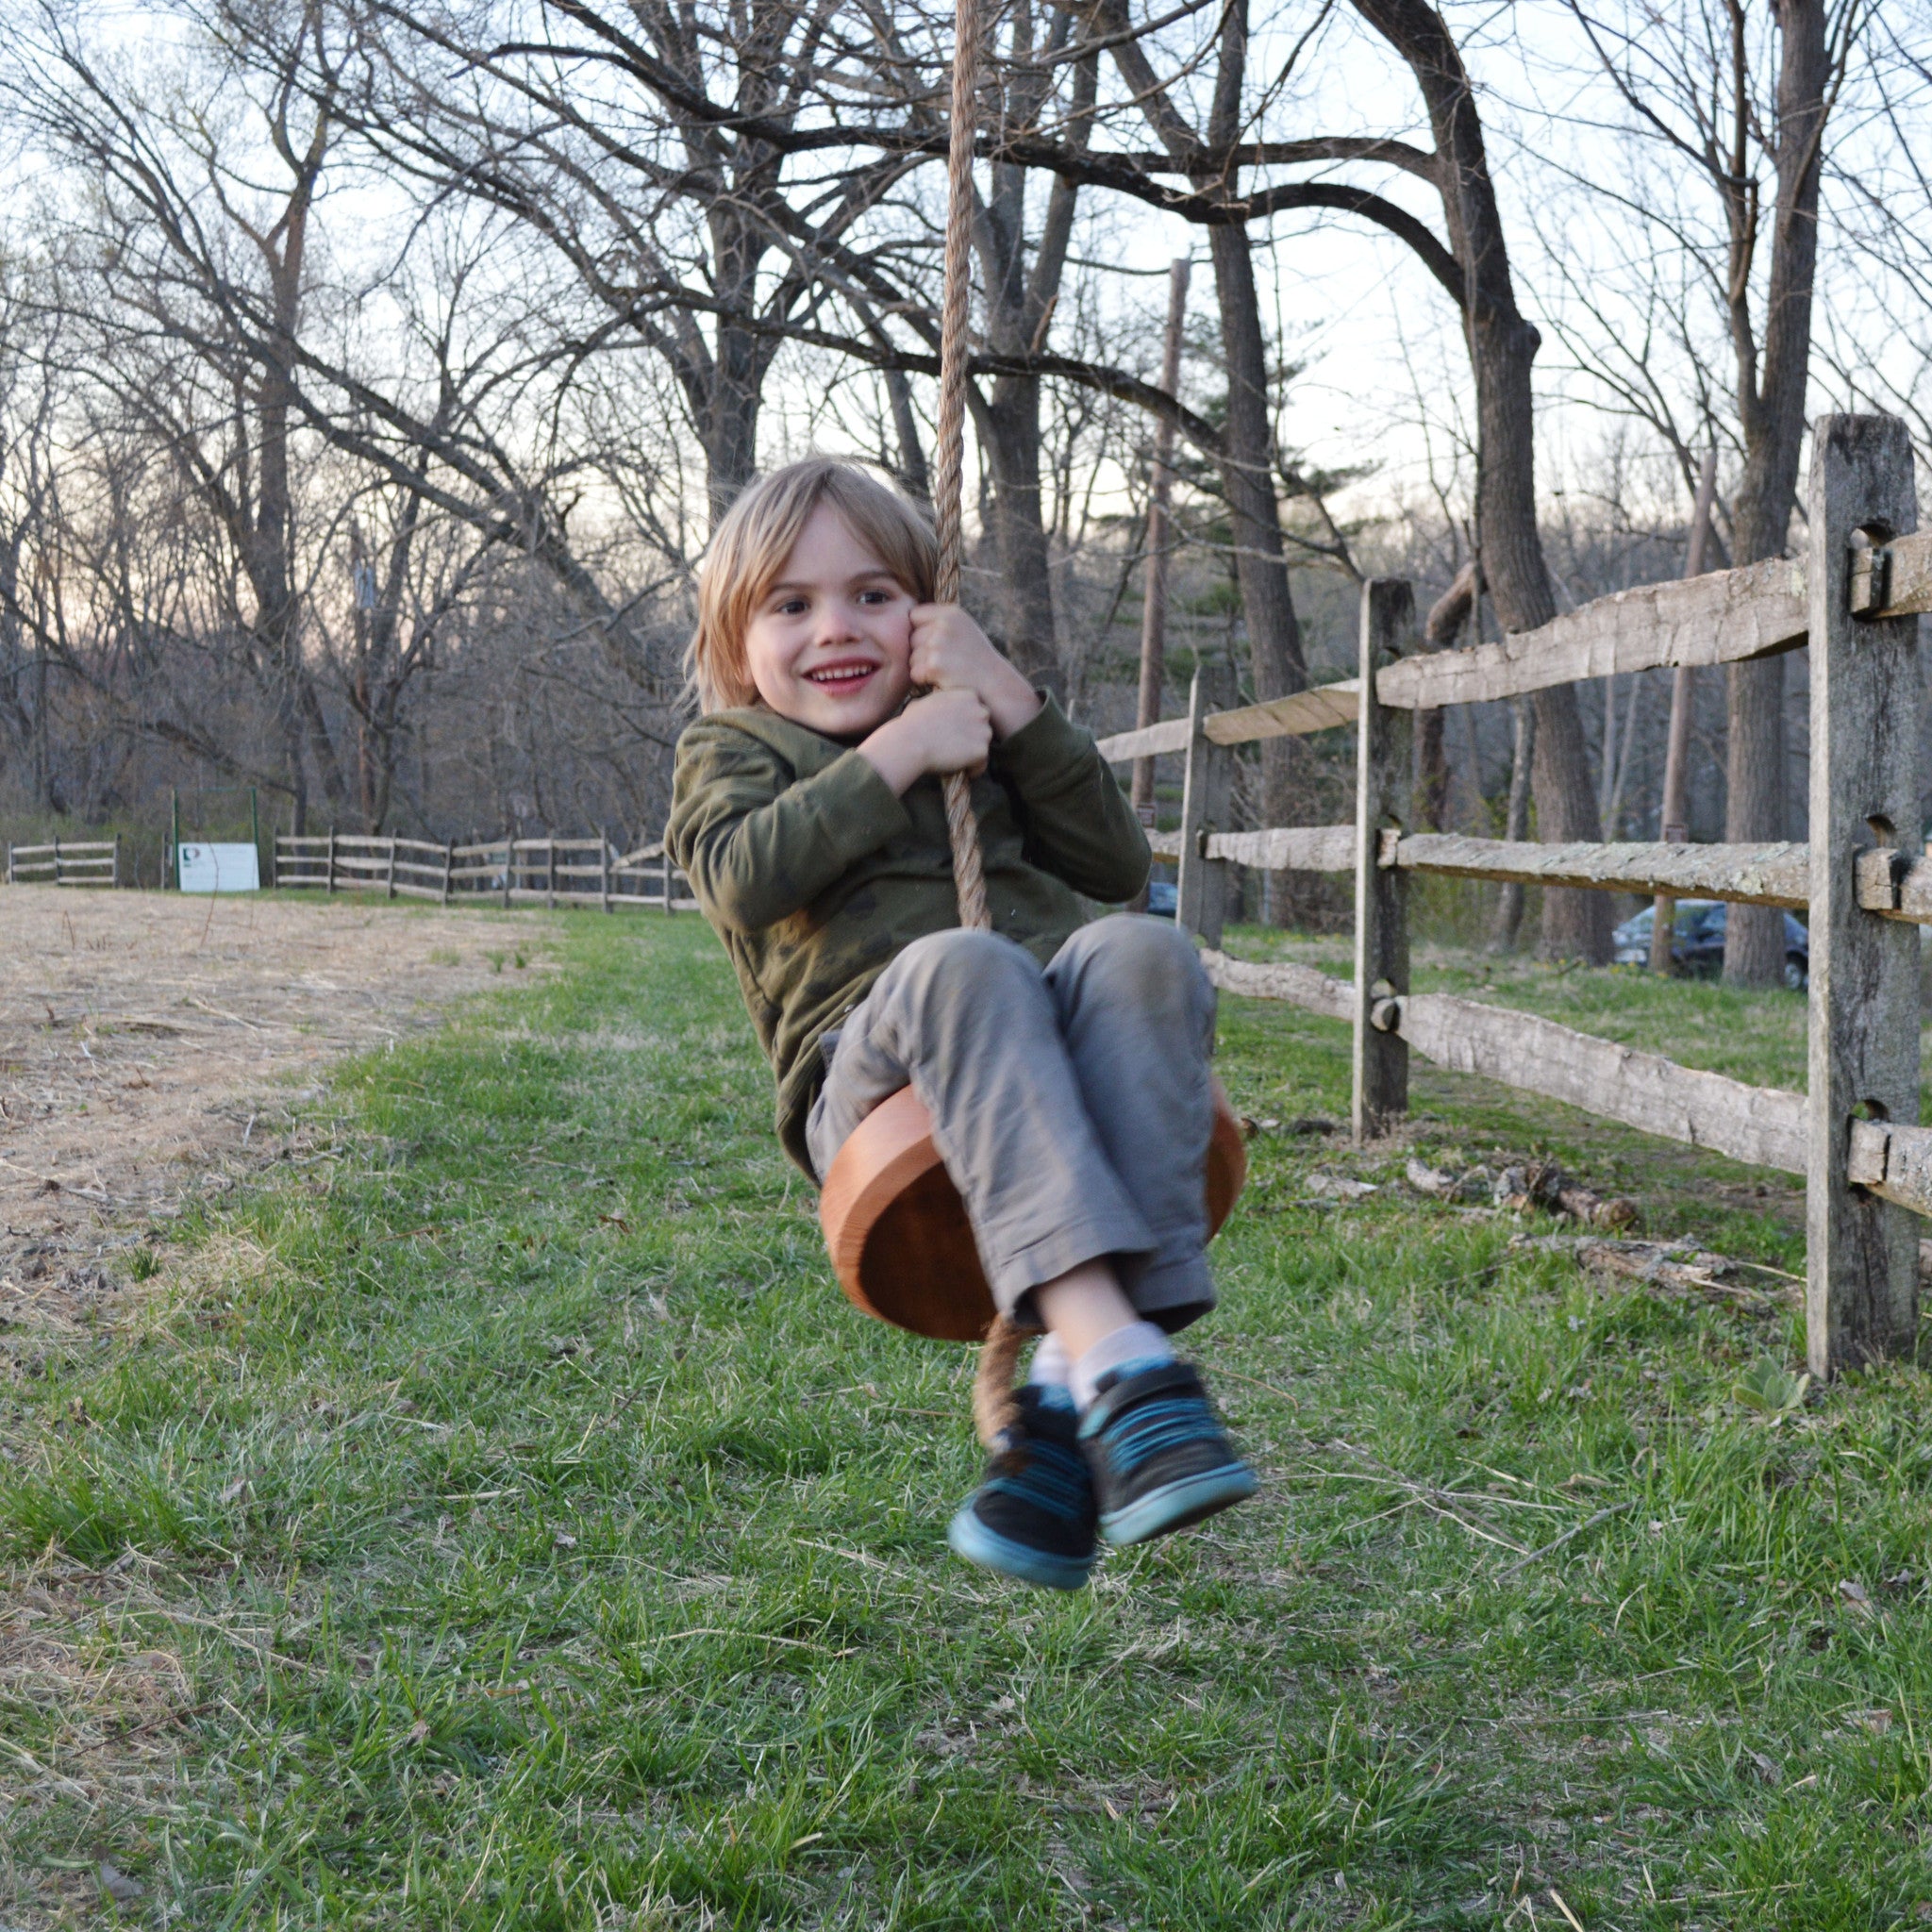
pixel 875 596
pixel 791 607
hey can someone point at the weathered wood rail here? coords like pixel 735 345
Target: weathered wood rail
pixel 66 862
pixel 1864 878
pixel 1720 618
pixel 506 871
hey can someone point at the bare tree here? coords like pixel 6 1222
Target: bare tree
pixel 215 383
pixel 1723 97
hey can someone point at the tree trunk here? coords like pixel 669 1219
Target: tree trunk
pixel 1441 628
pixel 1770 407
pixel 1247 467
pixel 1516 825
pixel 914 477
pixel 1009 431
pixel 1159 494
pixel 1502 347
pixel 1274 639
pixel 1275 636
pixel 268 539
pixel 729 392
pixel 1755 810
pixel 1019 311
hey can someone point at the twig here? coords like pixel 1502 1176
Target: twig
pixel 60 1187
pixel 251 1026
pixel 1463 1523
pixel 1267 1388
pixel 1568 1535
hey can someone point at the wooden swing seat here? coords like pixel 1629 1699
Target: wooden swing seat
pixel 897 1232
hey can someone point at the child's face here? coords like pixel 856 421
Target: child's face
pixel 830 645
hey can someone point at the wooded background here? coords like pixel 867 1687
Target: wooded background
pixel 369 375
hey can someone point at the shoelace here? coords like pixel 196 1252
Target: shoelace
pixel 1051 1476
pixel 1164 1423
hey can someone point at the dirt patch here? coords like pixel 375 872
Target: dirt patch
pixel 148 1041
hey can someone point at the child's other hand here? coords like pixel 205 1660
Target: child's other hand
pixel 951 653
pixel 947 731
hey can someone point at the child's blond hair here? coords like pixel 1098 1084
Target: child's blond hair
pixel 756 536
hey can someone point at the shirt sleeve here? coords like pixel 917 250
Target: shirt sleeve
pixel 1077 822
pixel 760 844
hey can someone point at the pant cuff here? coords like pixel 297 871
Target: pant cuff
pixel 1169 1283
pixel 1013 1275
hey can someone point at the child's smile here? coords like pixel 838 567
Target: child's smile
pixel 830 645
pixel 843 675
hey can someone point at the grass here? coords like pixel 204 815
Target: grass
pixel 493 1518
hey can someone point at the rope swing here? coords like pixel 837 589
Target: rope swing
pixel 895 1229
pixel 994 1410
pixel 949 455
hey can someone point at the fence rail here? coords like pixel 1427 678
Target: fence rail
pixel 507 872
pixel 1863 877
pixel 66 862
pixel 1722 617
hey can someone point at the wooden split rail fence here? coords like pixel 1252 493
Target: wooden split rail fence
pixel 506 871
pixel 66 862
pixel 1854 598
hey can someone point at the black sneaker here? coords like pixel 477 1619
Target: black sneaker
pixel 1032 1516
pixel 1158 1458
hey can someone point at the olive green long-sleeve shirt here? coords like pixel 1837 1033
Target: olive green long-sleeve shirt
pixel 815 874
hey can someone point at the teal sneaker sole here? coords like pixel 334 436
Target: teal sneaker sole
pixel 1175 1505
pixel 971 1539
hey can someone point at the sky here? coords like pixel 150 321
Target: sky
pixel 1384 383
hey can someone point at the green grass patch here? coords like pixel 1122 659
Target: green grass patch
pixel 496 1519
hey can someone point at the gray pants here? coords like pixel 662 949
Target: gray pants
pixel 1071 1103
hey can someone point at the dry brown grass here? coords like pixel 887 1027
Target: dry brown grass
pixel 149 1040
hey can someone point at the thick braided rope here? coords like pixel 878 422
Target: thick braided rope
pixel 949 454
pixel 996 1408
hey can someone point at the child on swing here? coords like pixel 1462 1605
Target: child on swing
pixel 1064 1061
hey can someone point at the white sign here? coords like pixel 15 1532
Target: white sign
pixel 218 868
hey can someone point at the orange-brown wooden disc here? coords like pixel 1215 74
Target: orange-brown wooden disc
pixel 896 1229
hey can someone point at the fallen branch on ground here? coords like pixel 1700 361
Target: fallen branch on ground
pixel 1684 1265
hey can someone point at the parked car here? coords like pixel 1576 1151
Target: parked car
pixel 1697 942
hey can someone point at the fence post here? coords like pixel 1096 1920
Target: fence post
pixel 391 868
pixel 550 874
pixel 449 859
pixel 604 865
pixel 1862 1297
pixel 510 868
pixel 664 867
pixel 332 860
pixel 116 881
pixel 57 880
pixel 1380 1060
pixel 1201 894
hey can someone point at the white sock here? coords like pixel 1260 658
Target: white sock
pixel 1050 1371
pixel 1138 1345
pixel 1051 1363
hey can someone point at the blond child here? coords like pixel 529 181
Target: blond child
pixel 1064 1061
